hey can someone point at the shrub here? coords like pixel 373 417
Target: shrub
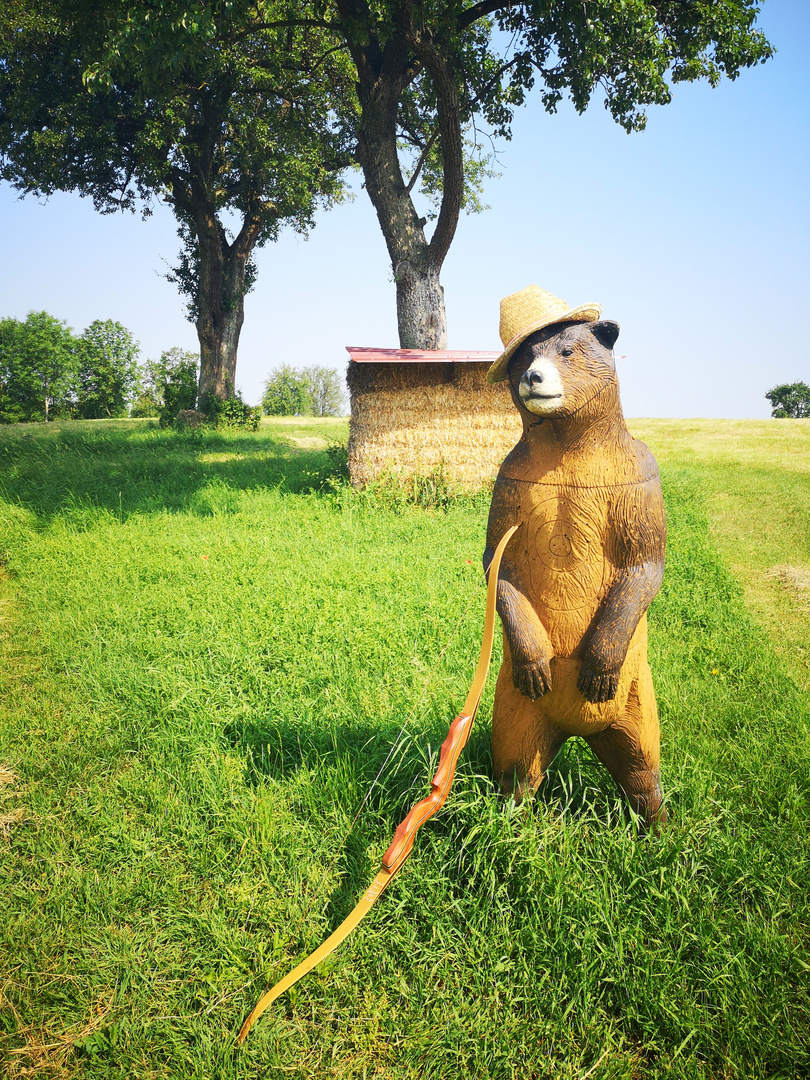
pixel 144 407
pixel 230 412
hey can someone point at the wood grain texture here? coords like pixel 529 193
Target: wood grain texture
pixel 580 573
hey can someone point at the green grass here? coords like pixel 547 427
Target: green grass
pixel 208 649
pixel 754 477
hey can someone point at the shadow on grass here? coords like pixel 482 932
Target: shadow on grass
pixel 350 757
pixel 149 470
pixel 576 784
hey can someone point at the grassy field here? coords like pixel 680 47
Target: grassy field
pixel 209 644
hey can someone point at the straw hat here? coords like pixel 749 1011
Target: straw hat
pixel 532 309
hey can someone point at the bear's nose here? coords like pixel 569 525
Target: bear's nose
pixel 535 379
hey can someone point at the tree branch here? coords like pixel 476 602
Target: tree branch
pixel 478 11
pixel 317 24
pixel 422 159
pixel 495 79
pixel 449 130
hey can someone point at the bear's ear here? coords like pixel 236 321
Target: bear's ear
pixel 605 331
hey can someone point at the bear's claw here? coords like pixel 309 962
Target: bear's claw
pixel 598 686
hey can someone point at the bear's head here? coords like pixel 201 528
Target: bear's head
pixel 558 370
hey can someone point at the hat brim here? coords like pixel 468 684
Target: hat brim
pixel 584 313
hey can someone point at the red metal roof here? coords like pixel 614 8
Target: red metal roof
pixel 420 356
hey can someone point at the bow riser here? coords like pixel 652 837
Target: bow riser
pixel 440 786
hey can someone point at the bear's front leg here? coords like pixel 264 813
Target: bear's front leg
pixel 616 623
pixel 634 544
pixel 526 636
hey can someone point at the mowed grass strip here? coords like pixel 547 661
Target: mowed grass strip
pixel 209 648
pixel 754 477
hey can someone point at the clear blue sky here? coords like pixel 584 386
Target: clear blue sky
pixel 693 235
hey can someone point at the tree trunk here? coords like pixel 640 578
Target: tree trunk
pixel 420 298
pixel 214 273
pixel 220 308
pixel 421 318
pixel 383 76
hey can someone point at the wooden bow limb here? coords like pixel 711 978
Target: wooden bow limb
pixel 404 837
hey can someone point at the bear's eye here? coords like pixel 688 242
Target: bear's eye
pixel 567 351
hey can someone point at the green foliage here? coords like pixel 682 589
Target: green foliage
pixel 790 400
pixel 434 491
pixel 230 412
pixel 224 110
pixel 629 51
pixel 193 705
pixel 175 377
pixel 144 406
pixel 167 385
pixel 38 364
pixel 325 391
pixel 47 373
pixel 107 370
pixel 308 391
pixel 287 393
pixel 338 454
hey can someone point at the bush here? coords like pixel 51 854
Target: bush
pixel 229 412
pixel 144 407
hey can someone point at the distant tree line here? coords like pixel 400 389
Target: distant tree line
pixel 309 391
pixel 49 373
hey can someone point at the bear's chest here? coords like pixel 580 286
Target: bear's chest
pixel 565 548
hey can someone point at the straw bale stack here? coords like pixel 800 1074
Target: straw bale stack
pixel 414 418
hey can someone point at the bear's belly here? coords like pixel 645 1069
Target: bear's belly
pixel 568 572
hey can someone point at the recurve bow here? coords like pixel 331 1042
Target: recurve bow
pixel 402 843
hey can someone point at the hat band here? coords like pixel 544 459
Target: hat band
pixel 516 338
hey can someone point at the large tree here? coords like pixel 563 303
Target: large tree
pixel 38 363
pixel 222 108
pixel 107 370
pixel 427 72
pixel 790 400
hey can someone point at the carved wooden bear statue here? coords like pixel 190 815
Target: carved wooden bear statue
pixel 579 574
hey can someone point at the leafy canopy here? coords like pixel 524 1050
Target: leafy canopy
pixel 308 391
pixel 107 371
pixel 790 400
pixel 628 52
pixel 123 103
pixel 228 110
pixel 38 361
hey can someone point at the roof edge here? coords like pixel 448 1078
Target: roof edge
pixel 362 355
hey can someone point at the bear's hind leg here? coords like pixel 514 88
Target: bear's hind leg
pixel 630 751
pixel 524 740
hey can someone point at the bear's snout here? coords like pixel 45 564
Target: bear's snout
pixel 541 387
